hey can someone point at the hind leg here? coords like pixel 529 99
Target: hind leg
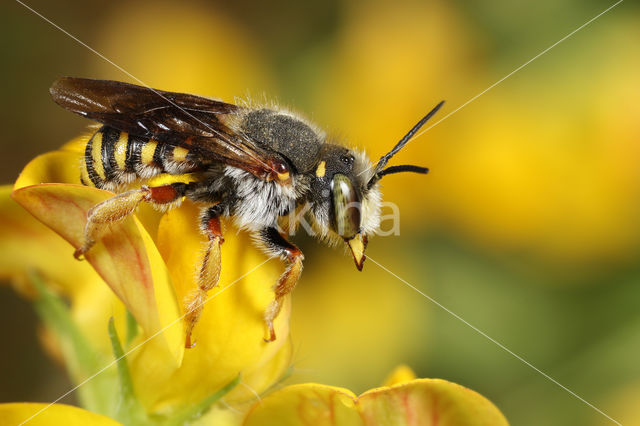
pixel 118 208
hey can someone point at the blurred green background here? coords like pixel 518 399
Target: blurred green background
pixel 527 226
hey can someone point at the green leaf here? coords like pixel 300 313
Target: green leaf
pixel 132 328
pixel 130 411
pixel 83 361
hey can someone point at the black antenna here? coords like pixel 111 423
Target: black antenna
pixel 385 159
pixel 379 172
pixel 404 168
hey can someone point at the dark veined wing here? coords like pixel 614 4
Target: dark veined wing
pixel 180 119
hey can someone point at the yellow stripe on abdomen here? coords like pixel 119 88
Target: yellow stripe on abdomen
pixel 120 151
pixel 84 174
pixel 96 155
pixel 180 154
pixel 146 155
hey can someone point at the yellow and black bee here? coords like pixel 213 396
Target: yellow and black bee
pixel 255 165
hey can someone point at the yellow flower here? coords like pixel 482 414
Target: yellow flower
pixel 149 262
pixel 402 401
pixel 150 268
pixel 57 414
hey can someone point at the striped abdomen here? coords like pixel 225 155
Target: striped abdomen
pixel 113 158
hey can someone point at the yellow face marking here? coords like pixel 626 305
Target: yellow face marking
pixel 96 155
pixel 147 152
pixel 321 170
pixel 120 151
pixel 283 176
pixel 180 154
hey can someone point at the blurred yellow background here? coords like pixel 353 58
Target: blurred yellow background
pixel 527 227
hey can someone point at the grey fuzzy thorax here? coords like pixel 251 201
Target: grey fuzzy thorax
pixel 285 134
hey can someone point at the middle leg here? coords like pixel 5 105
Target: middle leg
pixel 209 271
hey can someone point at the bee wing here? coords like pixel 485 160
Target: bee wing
pixel 194 122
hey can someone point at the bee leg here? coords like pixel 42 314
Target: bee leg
pixel 117 208
pixel 209 272
pixel 287 281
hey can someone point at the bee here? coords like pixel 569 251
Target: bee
pixel 254 165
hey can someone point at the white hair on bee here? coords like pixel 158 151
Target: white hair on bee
pixel 371 198
pixel 320 223
pixel 259 199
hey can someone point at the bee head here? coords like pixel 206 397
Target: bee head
pixel 349 192
pixel 342 202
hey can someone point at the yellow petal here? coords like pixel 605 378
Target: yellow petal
pixel 229 335
pixel 27 244
pixel 324 303
pixel 126 257
pixel 418 402
pixel 78 144
pixel 400 374
pixel 16 413
pixel 428 401
pixel 57 166
pixel 306 405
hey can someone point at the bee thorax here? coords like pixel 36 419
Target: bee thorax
pixel 286 134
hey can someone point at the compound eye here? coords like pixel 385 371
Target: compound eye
pixel 282 170
pixel 346 206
